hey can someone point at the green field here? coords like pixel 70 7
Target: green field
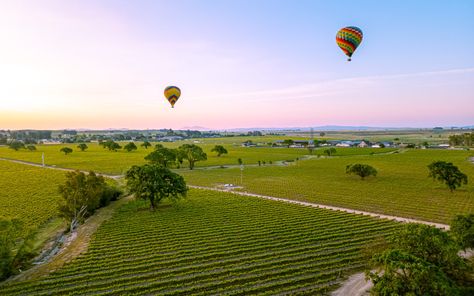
pixel 29 194
pixel 215 243
pixel 402 187
pixel 101 160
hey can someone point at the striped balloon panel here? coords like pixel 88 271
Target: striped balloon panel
pixel 348 39
pixel 172 94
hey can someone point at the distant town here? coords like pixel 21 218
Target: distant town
pixel 296 139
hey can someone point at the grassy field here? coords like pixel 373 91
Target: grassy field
pixel 215 243
pixel 401 188
pixel 404 136
pixel 29 194
pixel 101 160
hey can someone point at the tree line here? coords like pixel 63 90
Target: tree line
pixel 466 139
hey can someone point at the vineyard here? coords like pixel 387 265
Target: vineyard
pixel 29 194
pixel 99 159
pixel 215 243
pixel 401 188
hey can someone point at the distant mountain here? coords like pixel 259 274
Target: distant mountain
pixel 319 128
pixel 195 128
pixel 336 128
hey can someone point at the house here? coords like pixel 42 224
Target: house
pixel 344 144
pixel 363 144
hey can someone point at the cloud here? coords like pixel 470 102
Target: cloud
pixel 332 87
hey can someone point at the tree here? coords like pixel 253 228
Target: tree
pixel 130 147
pixel 448 173
pixel 114 146
pixel 16 145
pixel 146 144
pixel 239 161
pixel 330 151
pixel 162 156
pixel 362 170
pixel 288 142
pixel 66 150
pixel 421 260
pixel 31 147
pixel 191 153
pixel 219 149
pixel 81 194
pixel 82 146
pixel 153 183
pixel 111 145
pixel 8 235
pixel 462 230
pixel 322 134
pixel 382 145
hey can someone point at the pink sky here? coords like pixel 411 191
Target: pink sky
pixel 74 65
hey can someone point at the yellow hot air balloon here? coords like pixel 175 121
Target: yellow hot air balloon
pixel 172 94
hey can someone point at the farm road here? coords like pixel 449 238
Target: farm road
pixel 355 285
pixel 303 203
pixel 315 205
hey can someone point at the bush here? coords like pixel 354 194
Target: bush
pixel 110 193
pixel 362 170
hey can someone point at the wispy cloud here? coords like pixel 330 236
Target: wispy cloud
pixel 331 87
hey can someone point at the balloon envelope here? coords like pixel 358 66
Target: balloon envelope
pixel 172 94
pixel 348 39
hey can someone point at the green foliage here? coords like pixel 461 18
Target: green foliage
pixel 191 248
pixel 240 161
pixel 192 153
pixel 466 139
pixel 82 146
pixel 162 156
pixel 448 173
pixel 462 230
pixel 31 147
pixel 146 144
pixel 153 183
pixel 330 151
pixel 16 145
pixel 66 150
pixel 130 147
pixel 111 145
pixel 288 142
pixel 362 170
pixel 82 195
pixel 422 260
pixel 219 149
pixel 9 230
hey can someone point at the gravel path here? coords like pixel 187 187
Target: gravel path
pixel 315 205
pixel 355 285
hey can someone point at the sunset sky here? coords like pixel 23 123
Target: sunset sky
pixel 242 63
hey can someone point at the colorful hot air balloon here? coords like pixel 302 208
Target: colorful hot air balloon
pixel 348 39
pixel 172 94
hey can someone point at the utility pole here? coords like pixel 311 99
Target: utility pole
pixel 42 158
pixel 242 174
